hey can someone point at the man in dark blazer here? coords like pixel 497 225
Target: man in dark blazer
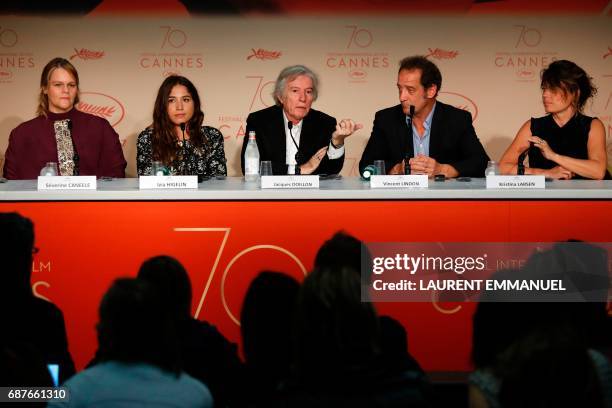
pixel 296 138
pixel 436 138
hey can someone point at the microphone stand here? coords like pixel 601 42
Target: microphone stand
pixel 182 125
pixel 406 158
pixel 520 169
pixel 298 157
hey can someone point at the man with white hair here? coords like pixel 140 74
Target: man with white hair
pixel 294 137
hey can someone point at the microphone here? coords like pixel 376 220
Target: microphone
pixel 182 126
pixel 409 123
pixel 520 170
pixel 298 156
pixel 75 153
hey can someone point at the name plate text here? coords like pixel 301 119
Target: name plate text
pixel 168 182
pixel 290 182
pixel 400 181
pixel 516 182
pixel 67 183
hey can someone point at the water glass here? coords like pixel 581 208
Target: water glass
pixel 158 169
pixel 50 169
pixel 265 168
pixel 379 165
pixel 492 169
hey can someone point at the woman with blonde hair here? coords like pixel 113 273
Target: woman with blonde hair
pixel 80 143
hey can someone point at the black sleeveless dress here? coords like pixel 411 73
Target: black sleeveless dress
pixel 569 140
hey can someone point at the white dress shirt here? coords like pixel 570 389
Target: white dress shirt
pixel 291 150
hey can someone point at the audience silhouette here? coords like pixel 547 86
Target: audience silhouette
pixel 318 343
pixel 266 322
pixel 33 332
pixel 206 354
pixel 139 356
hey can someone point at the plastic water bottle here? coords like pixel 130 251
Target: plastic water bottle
pixel 251 159
pixel 492 169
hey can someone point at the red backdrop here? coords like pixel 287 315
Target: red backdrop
pixel 85 245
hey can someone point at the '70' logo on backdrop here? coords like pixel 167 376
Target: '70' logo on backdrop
pixel 173 37
pixel 8 37
pixel 280 250
pixel 530 37
pixel 261 90
pixel 360 37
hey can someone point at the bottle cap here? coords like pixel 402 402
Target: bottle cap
pixel 368 172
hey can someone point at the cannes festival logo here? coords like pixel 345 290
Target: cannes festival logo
pixel 102 105
pixel 439 53
pixel 524 59
pixel 262 54
pixel 6 75
pixel 356 58
pixel 86 54
pixel 12 62
pixel 174 55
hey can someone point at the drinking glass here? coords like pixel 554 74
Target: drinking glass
pixel 266 168
pixel 379 165
pixel 158 169
pixel 492 169
pixel 50 169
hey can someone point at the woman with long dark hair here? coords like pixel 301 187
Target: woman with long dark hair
pixel 565 143
pixel 177 137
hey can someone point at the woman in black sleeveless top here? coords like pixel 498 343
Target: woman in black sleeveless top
pixel 564 144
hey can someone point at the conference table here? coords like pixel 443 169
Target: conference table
pixel 226 231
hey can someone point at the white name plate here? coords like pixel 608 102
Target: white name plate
pixel 168 182
pixel 400 181
pixel 290 182
pixel 516 182
pixel 67 183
